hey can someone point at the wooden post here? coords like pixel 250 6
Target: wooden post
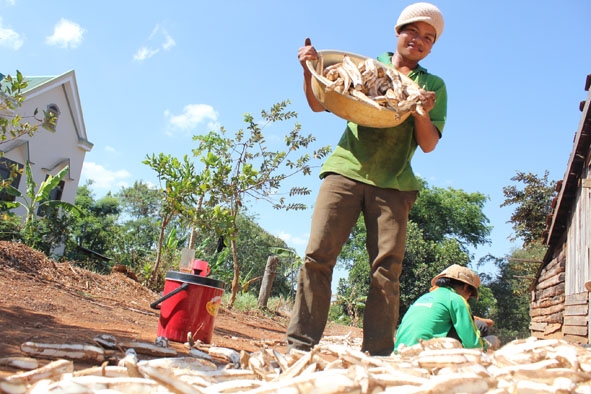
pixel 267 284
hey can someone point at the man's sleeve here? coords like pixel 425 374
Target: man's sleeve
pixel 464 324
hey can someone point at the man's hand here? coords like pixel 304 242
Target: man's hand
pixel 488 322
pixel 307 52
pixel 493 342
pixel 427 101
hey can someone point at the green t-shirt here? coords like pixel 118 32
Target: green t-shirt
pixel 433 315
pixel 381 157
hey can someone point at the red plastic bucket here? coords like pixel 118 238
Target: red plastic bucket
pixel 190 304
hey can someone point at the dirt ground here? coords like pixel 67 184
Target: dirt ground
pixel 48 302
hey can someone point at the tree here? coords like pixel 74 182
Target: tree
pixel 511 290
pixel 533 204
pixel 451 213
pixel 11 98
pixel 423 260
pixel 138 225
pixel 97 230
pixel 178 184
pixel 246 168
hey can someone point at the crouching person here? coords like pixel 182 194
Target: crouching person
pixel 444 311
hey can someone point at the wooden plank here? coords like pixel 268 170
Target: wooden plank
pixel 575 339
pixel 555 335
pixel 550 292
pixel 552 328
pixel 542 303
pixel 576 320
pixel 576 310
pixel 554 280
pixel 575 330
pixel 556 261
pixel 555 270
pixel 537 326
pixel 554 318
pixel 546 311
pixel 576 299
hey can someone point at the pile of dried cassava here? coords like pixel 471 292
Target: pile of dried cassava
pixel 372 83
pixel 335 366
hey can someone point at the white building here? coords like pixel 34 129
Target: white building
pixel 49 152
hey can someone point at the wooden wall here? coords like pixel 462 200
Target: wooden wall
pixel 576 311
pixel 560 303
pixel 548 299
pixel 555 314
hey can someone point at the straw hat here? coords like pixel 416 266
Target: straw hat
pixel 421 12
pixel 460 273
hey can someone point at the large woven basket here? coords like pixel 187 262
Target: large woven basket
pixel 343 105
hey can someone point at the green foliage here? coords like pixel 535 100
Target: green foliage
pixel 486 304
pixel 242 167
pixel 352 300
pixel 451 213
pixel 255 247
pixel 533 204
pixel 50 232
pixel 510 288
pixel 138 225
pixel 10 227
pixel 248 303
pixel 423 260
pixel 243 303
pixel 338 315
pixel 178 182
pixel 140 200
pixel 287 270
pixel 51 229
pixel 96 230
pixel 11 98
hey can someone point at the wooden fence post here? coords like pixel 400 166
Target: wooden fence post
pixel 267 284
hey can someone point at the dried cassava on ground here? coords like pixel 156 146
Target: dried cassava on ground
pixel 436 366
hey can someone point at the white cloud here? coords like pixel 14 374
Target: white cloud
pixel 298 243
pixel 111 149
pixel 66 34
pixel 10 38
pixel 193 115
pixel 168 43
pixel 160 39
pixel 104 179
pixel 144 53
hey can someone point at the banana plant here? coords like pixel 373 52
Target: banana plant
pixel 32 200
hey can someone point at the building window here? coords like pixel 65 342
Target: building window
pixel 10 174
pixel 52 113
pixel 55 195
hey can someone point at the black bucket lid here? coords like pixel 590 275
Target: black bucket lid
pixel 194 279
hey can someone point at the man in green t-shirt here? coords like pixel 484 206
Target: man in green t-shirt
pixel 370 172
pixel 444 311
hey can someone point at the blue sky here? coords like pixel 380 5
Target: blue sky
pixel 152 74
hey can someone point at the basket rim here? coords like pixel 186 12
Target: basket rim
pixel 309 63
